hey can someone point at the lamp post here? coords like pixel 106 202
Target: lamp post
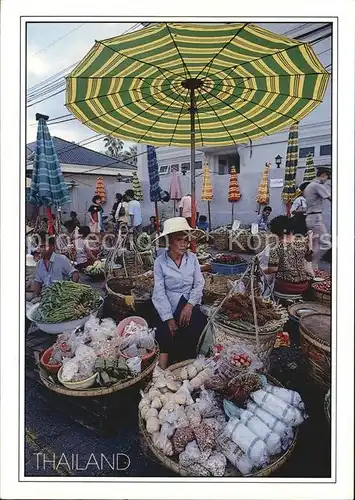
pixel 278 160
pixel 183 169
pixel 119 178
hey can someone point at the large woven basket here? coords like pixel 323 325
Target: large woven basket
pixel 241 242
pixel 220 241
pixel 322 297
pixel 172 464
pixel 216 287
pixel 226 336
pixel 315 331
pixel 119 288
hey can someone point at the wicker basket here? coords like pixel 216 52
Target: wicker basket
pixel 323 297
pixel 152 451
pixel 241 242
pixel 216 287
pixel 315 344
pixel 226 335
pixel 119 288
pixel 220 241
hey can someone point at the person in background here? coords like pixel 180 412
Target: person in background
pixel 121 215
pixel 177 295
pixel 185 208
pixel 202 223
pixel 165 208
pixel 84 256
pixel 298 210
pixel 287 259
pixel 95 214
pixel 118 199
pixel 152 228
pixel 74 219
pixel 52 266
pixel 263 221
pixel 135 213
pixel 315 193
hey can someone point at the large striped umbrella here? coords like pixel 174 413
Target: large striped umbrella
pixel 289 189
pixel 310 171
pixel 48 187
pixel 207 191
pixel 233 190
pixel 191 85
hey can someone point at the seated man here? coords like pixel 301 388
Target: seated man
pixel 52 266
pixel 202 223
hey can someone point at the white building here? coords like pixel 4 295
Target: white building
pixel 314 137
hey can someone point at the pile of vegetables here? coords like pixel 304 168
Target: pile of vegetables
pixel 97 269
pixel 66 301
pixel 222 258
pixel 111 371
pixel 239 307
pixel 323 287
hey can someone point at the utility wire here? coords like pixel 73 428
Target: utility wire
pixel 58 39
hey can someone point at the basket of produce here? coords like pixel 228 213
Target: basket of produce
pixel 327 405
pixel 195 431
pixel 64 306
pixel 96 272
pixel 91 362
pixel 235 323
pixel 241 241
pixel 119 288
pixel 221 238
pixel 315 333
pixel 323 292
pixel 216 287
pixel 136 339
pixel 48 362
pixel 228 264
pixel 142 287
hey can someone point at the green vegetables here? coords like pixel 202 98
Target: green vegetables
pixel 111 371
pixel 66 301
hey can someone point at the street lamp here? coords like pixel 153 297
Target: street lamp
pixel 184 169
pixel 278 160
pixel 119 178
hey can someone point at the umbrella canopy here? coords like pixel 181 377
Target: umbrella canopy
pixel 136 186
pixel 310 171
pixel 263 190
pixel 289 189
pixel 195 85
pixel 233 191
pixel 100 189
pixel 175 190
pixel 207 191
pixel 48 187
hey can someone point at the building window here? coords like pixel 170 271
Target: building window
pixel 198 165
pixel 225 162
pixel 326 150
pixel 185 166
pixel 164 169
pixel 175 167
pixel 304 152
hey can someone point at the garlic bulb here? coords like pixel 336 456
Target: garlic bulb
pixel 143 410
pixel 156 403
pixel 153 425
pixel 152 412
pixel 183 373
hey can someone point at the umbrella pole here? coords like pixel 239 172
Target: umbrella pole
pixel 193 157
pixel 174 208
pixel 209 215
pixel 50 221
pixel 157 222
pixel 232 212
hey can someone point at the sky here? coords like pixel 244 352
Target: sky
pixel 53 47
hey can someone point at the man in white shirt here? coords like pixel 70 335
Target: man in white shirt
pixel 185 208
pixel 299 209
pixel 135 212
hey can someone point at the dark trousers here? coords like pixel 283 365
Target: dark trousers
pixel 183 345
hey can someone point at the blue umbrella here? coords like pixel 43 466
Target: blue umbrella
pixel 155 191
pixel 48 187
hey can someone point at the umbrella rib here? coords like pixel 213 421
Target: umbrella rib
pixel 218 118
pixel 199 123
pixel 142 62
pixel 261 106
pixel 177 122
pixel 260 59
pixel 187 72
pixel 159 117
pixel 270 92
pixel 219 52
pixel 240 113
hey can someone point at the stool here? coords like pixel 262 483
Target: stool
pixel 287 299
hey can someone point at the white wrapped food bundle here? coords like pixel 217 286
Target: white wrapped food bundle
pixel 287 395
pixel 274 424
pixel 235 455
pixel 270 438
pixel 290 415
pixel 252 445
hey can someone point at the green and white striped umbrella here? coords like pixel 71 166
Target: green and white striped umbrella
pixel 309 171
pixel 248 82
pixel 289 189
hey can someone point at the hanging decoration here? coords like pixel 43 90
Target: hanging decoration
pixel 207 191
pixel 100 190
pixel 310 171
pixel 136 186
pixel 289 189
pixel 263 195
pixel 233 191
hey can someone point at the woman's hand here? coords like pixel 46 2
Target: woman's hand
pixel 185 316
pixel 172 327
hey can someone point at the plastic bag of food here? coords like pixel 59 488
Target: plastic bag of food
pixel 131 351
pixel 108 326
pixel 241 358
pixel 134 365
pixel 270 438
pixel 200 363
pixel 197 470
pixel 234 454
pixel 181 437
pixel 169 413
pixel 214 423
pixel 70 369
pixel 183 396
pixel 207 404
pixel 274 424
pixel 168 429
pixel 288 396
pixel 215 464
pixel 162 442
pixel 253 447
pixel 205 436
pixel 230 409
pixel 288 414
pixel 146 339
pixel 190 456
pixel 193 414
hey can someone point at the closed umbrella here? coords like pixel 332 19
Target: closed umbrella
pixel 175 190
pixel 207 191
pixel 48 188
pixel 191 85
pixel 289 189
pixel 137 188
pixel 233 190
pixel 155 191
pixel 310 171
pixel 262 197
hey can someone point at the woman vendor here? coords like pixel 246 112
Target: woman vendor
pixel 289 257
pixel 178 287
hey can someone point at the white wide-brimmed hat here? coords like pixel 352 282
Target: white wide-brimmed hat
pixel 29 229
pixel 177 225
